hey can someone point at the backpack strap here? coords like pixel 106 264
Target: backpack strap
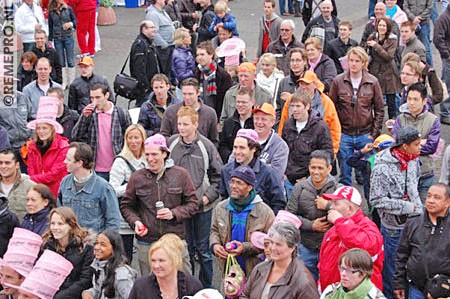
pixel 121 114
pixel 132 168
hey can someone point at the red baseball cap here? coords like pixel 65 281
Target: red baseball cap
pixel 345 193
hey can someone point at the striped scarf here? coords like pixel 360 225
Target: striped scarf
pixel 209 74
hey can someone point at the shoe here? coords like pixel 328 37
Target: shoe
pixel 445 121
pixel 286 14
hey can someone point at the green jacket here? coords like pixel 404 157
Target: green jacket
pixel 366 290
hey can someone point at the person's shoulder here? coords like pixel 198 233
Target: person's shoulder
pixel 125 272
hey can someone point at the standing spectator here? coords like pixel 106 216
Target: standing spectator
pixel 337 48
pixel 380 12
pixel 41 49
pixel 91 197
pixel 311 10
pixel 40 200
pixel 192 151
pixel 415 114
pixel 269 27
pixel 382 46
pixel 28 18
pixel 236 217
pixel 207 119
pixel 307 203
pixel 156 103
pixel 269 76
pixel 223 18
pixel 282 4
pixel 441 39
pixel 422 251
pixel 173 10
pixel 13 184
pixel 411 44
pixel 66 117
pixel 358 99
pixel 8 221
pixel 320 63
pixel 85 14
pixel 351 229
pixel 419 11
pixel 26 71
pixel 214 80
pixel 281 46
pixel 206 19
pixel 394 193
pixel 324 27
pixel 146 189
pixel 144 61
pixel 102 125
pixel 67 237
pixel 163 37
pixel 62 22
pixel 79 90
pixel 130 159
pixel 395 13
pixel 246 151
pixel 189 16
pixel 48 149
pixel 183 63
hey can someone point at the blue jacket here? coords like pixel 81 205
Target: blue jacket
pixel 95 205
pixel 183 63
pixel 229 23
pixel 268 185
pixel 38 222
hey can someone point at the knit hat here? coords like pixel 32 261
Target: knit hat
pixel 245 173
pixel 47 113
pixel 248 133
pixel 406 135
pixel 157 140
pixel 345 193
pixel 265 108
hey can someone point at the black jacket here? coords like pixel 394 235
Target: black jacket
pixel 336 49
pixel 307 10
pixel 68 120
pixel 319 21
pixel 38 222
pixel 25 77
pixel 203 28
pixel 8 221
pixel 230 128
pixel 81 257
pixel 441 36
pixel 144 63
pixel 56 21
pixel 50 54
pixel 422 242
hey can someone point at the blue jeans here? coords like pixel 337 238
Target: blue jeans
pixel 424 36
pixel 283 6
pixel 311 259
pixel 415 293
pixel 371 11
pixel 424 185
pixel 391 239
pixel 64 49
pixel 445 105
pixel 197 237
pixel 349 144
pixel 434 12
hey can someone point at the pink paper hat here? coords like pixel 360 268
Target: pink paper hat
pixel 23 249
pixel 232 60
pixel 285 216
pixel 230 47
pixel 257 239
pixel 47 276
pixel 157 140
pixel 47 113
pixel 248 133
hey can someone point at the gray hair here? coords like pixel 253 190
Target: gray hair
pixel 289 22
pixel 286 231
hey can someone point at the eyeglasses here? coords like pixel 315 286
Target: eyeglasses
pixel 343 269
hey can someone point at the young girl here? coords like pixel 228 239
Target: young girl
pixel 223 18
pixel 113 278
pixel 66 237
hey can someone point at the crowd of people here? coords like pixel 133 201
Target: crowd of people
pixel 246 163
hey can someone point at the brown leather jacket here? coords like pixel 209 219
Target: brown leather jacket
pixel 366 114
pixel 144 189
pixel 296 283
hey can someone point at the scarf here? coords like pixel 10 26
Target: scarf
pixel 240 205
pixel 359 292
pixel 403 158
pixel 312 65
pixel 209 73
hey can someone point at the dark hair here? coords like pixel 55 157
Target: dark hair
pixel 445 187
pixel 191 82
pixel 40 31
pixel 246 91
pixel 357 259
pixel 84 153
pixel 388 26
pixel 96 86
pixel 254 145
pixel 45 193
pixel 322 155
pixel 9 151
pixel 271 2
pixel 58 90
pixel 159 78
pixel 116 260
pixel 207 46
pixel 419 87
pixel 346 23
pixel 29 56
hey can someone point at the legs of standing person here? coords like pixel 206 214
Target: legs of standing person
pixel 414 293
pixel 91 32
pixel 98 44
pixel 391 104
pixel 144 264
pixel 391 239
pixel 445 105
pixel 424 185
pixel 434 12
pixel 82 30
pixel 128 246
pixel 282 4
pixel 424 36
pixel 371 10
pixel 202 226
pixel 311 259
pixel 291 6
pixel 345 151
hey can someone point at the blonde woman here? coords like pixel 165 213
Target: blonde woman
pixel 130 159
pixel 269 76
pixel 183 63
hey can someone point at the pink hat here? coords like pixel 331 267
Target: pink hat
pixel 205 294
pixel 232 60
pixel 23 249
pixel 285 216
pixel 47 113
pixel 47 276
pixel 248 133
pixel 345 193
pixel 157 140
pixel 230 47
pixel 257 239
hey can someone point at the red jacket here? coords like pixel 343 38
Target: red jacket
pixel 49 169
pixel 357 231
pixel 82 5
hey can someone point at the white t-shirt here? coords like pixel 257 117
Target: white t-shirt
pixel 300 125
pixel 6 188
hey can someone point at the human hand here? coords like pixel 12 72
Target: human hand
pixel 88 110
pixel 205 200
pixel 371 43
pixel 399 294
pixel 164 214
pixel 333 215
pixel 86 295
pixel 321 225
pixel 285 95
pixel 321 203
pixel 140 229
pixel 37 27
pixel 195 15
pixel 239 249
pixel 367 148
pixel 220 251
pixel 417 20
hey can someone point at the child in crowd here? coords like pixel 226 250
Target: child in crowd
pixel 223 18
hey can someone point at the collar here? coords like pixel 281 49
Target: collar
pixel 110 111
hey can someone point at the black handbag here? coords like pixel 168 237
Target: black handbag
pixel 125 85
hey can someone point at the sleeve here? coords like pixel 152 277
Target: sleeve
pixel 356 161
pixel 80 131
pixel 111 209
pixel 73 19
pixel 307 32
pixel 50 26
pixel 145 119
pixel 56 172
pixel 223 184
pixel 400 280
pixel 167 125
pixel 230 23
pixel 213 134
pixel 378 110
pixel 365 35
pixel 225 143
pixel 226 99
pixel 260 39
pixel 329 74
pixel 214 22
pixel 280 158
pixel 249 285
pixel 332 120
pixel 118 176
pixel 433 137
pixel 292 206
pixel 22 25
pixel 386 53
pixel 275 190
pixel 445 167
pixel 128 204
pixel 214 236
pixel 407 10
pixel 427 12
pixel 158 40
pixel 190 202
pixel 440 37
pixel 124 282
pixel 267 213
pixel 215 165
pixel 72 98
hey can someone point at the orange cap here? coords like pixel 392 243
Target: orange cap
pixel 309 77
pixel 265 108
pixel 247 67
pixel 86 60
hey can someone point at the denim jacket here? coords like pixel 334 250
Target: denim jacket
pixel 95 205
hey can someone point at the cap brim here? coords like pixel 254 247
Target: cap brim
pixel 257 239
pixel 5 264
pixel 58 128
pixel 331 197
pixel 306 81
pixel 260 110
pixel 34 293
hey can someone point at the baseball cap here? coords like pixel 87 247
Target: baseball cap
pixel 406 135
pixel 86 60
pixel 248 133
pixel 345 193
pixel 309 77
pixel 247 67
pixel 265 108
pixel 157 140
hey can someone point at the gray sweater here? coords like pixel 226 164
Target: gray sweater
pixel 164 26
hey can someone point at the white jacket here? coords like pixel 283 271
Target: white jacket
pixel 25 20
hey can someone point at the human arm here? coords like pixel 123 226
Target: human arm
pixel 400 280
pixel 118 176
pixel 214 235
pixel 157 39
pixel 212 27
pixel 407 9
pixel 440 36
pixel 146 120
pixel 203 29
pixel 331 118
pixel 432 140
pixel 125 277
pixel 328 74
pixel 56 172
pixel 215 165
pixel 129 203
pixel 276 198
pixel 109 205
pixel 189 205
pixel 223 183
pixel 229 22
pixel 138 59
pixel 386 51
pixel 80 131
pixel 22 24
pixel 445 171
pixel 293 207
pixel 378 111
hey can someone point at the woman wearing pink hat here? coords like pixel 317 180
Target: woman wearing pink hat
pixel 48 149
